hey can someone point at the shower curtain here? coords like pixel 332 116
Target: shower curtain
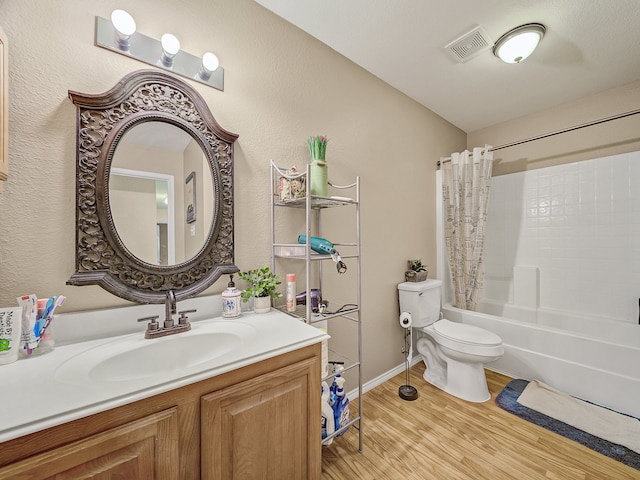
pixel 466 181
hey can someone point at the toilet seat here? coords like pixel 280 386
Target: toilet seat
pixel 466 338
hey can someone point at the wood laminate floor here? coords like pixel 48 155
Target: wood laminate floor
pixel 440 437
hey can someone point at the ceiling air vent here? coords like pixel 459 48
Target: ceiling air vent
pixel 469 45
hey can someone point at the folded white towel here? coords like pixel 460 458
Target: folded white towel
pixel 598 421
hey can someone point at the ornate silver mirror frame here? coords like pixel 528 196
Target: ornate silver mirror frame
pixel 102 119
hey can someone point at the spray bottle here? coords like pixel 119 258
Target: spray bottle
pixel 291 292
pixel 332 390
pixel 340 406
pixel 328 421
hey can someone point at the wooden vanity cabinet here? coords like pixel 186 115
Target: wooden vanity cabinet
pixel 260 428
pixel 145 448
pixel 260 421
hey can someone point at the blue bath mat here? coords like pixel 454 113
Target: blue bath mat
pixel 507 400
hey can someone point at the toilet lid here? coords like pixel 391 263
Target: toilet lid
pixel 464 333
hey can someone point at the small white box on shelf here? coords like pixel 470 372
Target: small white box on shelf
pixel 290 250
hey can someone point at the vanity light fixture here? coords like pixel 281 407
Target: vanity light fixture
pixel 119 35
pixel 518 43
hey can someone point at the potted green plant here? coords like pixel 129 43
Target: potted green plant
pixel 416 272
pixel 318 151
pixel 263 287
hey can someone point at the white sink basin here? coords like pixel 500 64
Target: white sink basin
pixel 134 358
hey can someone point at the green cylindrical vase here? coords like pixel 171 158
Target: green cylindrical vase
pixel 319 182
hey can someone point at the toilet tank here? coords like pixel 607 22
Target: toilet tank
pixel 421 300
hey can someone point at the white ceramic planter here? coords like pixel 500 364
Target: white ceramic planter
pixel 261 304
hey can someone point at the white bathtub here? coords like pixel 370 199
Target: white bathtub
pixel 603 329
pixel 605 370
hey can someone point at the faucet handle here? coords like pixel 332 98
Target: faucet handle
pixel 153 322
pixel 183 319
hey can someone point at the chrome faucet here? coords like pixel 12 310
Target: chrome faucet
pixel 169 309
pixel 169 327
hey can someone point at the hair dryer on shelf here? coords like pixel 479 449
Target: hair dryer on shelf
pixel 316 299
pixel 324 247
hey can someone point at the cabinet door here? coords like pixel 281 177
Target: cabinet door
pixel 264 428
pixel 145 449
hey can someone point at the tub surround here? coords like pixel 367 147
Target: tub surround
pixel 41 398
pixel 563 239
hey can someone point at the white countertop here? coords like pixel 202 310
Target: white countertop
pixel 36 396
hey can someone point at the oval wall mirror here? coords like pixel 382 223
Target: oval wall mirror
pixel 162 196
pixel 154 190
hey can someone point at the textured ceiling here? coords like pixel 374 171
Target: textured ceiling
pixel 590 46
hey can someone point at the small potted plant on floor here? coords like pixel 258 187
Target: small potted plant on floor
pixel 263 287
pixel 416 271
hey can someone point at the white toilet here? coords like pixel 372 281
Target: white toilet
pixel 454 353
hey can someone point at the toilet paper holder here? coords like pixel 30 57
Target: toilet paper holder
pixel 405 320
pixel 407 392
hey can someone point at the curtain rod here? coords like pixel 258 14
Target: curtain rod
pixel 557 132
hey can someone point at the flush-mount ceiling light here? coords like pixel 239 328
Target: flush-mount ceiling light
pixel 517 44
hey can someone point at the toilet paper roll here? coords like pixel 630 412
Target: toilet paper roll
pixel 405 320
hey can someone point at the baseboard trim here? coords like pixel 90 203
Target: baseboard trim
pixel 380 379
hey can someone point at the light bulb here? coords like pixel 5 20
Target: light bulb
pixel 210 61
pixel 170 47
pixel 124 26
pixel 209 64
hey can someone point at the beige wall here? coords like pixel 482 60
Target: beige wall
pixel 617 136
pixel 281 86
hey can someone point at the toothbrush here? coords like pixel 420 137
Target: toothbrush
pixel 56 303
pixel 59 301
pixel 39 327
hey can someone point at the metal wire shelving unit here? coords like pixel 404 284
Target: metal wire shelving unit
pixel 294 252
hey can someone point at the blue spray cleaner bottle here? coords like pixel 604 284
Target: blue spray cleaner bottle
pixel 340 406
pixel 328 418
pixel 332 390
